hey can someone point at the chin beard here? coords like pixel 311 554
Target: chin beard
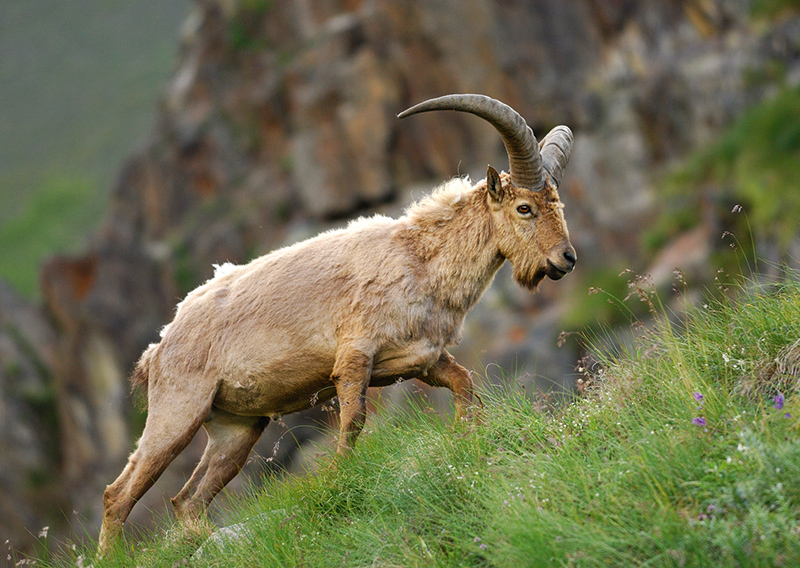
pixel 529 277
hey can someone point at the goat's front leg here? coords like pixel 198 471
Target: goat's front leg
pixel 447 373
pixel 351 376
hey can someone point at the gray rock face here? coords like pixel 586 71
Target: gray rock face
pixel 30 493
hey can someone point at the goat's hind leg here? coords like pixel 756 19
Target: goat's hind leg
pixel 166 434
pixel 230 440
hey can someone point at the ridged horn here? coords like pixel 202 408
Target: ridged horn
pixel 556 148
pixel 524 157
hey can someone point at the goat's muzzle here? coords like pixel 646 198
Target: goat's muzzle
pixel 561 262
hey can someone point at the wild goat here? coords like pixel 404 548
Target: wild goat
pixel 367 305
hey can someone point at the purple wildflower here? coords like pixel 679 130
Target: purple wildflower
pixel 482 546
pixel 787 415
pixel 476 539
pixel 699 421
pixel 778 401
pixel 698 397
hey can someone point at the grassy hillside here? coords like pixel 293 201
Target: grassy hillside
pixel 683 450
pixel 79 83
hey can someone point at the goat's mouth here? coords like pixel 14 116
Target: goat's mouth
pixel 554 272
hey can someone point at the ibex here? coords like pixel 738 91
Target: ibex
pixel 368 305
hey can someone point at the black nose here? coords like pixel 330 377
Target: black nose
pixel 570 257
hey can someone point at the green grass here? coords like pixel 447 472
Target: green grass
pixel 623 475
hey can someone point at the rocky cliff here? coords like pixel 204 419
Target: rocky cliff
pixel 280 121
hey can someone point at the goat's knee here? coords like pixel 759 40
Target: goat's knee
pixel 447 373
pixel 351 377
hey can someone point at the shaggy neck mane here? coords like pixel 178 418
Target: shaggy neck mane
pixel 451 232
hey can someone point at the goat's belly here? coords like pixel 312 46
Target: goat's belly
pixel 404 362
pixel 303 380
pixel 279 388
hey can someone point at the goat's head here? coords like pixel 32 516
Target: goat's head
pixel 526 210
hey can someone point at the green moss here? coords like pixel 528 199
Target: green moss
pixel 282 211
pixel 12 369
pixel 30 352
pixel 679 213
pixel 287 163
pixel 257 6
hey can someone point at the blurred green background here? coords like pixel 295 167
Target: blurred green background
pixel 79 85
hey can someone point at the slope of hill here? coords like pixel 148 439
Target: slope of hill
pixel 681 451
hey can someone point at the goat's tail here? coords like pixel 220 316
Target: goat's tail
pixel 141 375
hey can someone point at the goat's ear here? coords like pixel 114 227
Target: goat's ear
pixel 493 184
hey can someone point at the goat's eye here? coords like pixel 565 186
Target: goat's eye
pixel 524 209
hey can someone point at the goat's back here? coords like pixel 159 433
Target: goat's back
pixel 280 318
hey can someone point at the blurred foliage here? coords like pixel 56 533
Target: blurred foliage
pixel 746 181
pixel 598 304
pixel 79 83
pixel 755 164
pixel 244 28
pixel 55 219
pixel 772 8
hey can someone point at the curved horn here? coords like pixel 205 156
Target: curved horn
pixel 556 148
pixel 524 157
